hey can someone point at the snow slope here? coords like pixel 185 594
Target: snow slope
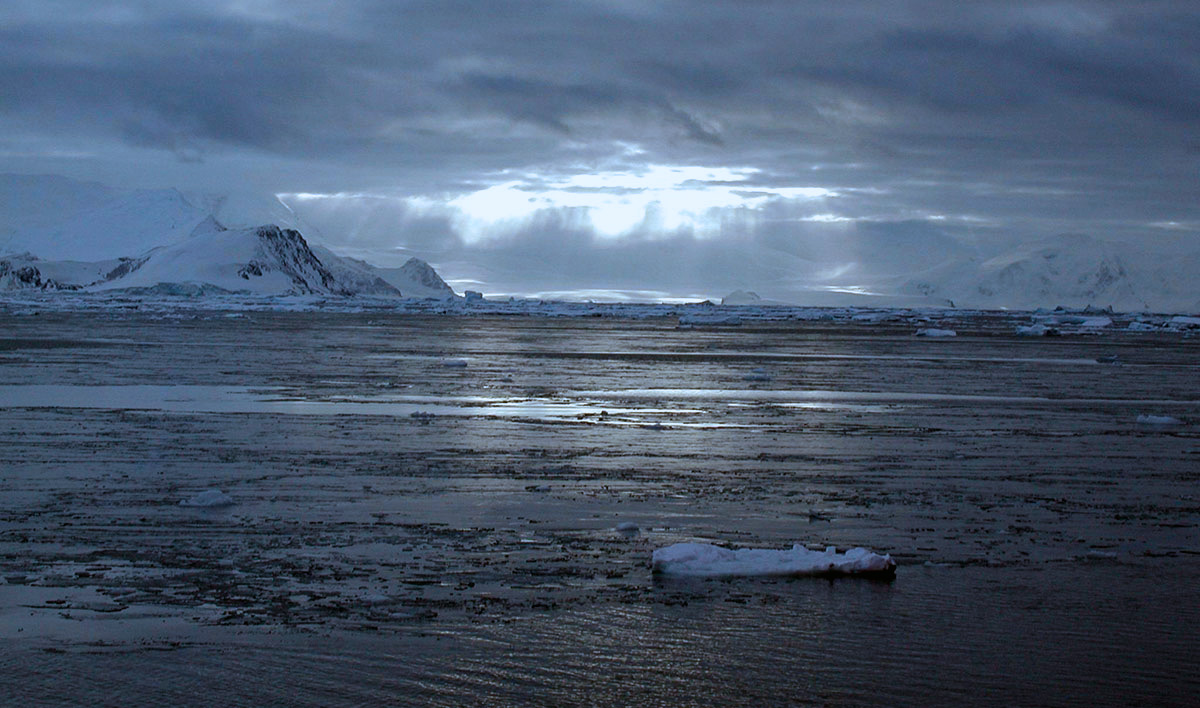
pixel 62 220
pixel 36 201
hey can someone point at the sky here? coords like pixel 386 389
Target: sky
pixel 631 148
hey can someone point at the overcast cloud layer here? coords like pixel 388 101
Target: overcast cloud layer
pixel 682 147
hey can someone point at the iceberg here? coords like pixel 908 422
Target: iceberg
pixel 705 560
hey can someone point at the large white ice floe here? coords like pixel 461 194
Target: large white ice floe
pixel 209 499
pixel 935 332
pixel 705 560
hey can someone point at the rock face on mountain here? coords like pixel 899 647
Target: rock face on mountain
pixel 286 251
pixel 17 276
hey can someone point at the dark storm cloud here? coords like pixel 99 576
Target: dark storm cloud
pixel 1033 117
pixel 381 76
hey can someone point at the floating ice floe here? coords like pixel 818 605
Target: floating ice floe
pixel 454 363
pixel 704 560
pixel 1146 419
pixel 712 320
pixel 627 528
pixel 209 498
pixel 935 332
pixel 1037 330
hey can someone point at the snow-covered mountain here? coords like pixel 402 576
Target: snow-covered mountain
pixel 415 278
pixel 1072 270
pixel 264 260
pixel 52 229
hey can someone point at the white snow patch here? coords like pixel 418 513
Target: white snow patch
pixel 209 499
pixel 705 560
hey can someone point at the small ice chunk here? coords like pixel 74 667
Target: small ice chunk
pixel 935 332
pixel 371 598
pixel 454 363
pixel 1146 419
pixel 209 499
pixel 705 560
pixel 628 528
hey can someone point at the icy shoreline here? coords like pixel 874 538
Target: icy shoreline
pixel 931 321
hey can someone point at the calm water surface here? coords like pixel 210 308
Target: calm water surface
pixel 416 533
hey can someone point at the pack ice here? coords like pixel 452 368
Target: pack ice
pixel 705 560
